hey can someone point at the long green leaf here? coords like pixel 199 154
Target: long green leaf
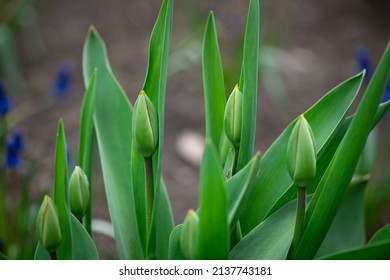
pixel 271 239
pixel 113 120
pixel 248 84
pixel 41 253
pixel 164 224
pixel 333 186
pixel 64 252
pixel 347 230
pixel 155 86
pixel 376 251
pixel 213 83
pixel 83 247
pixel 239 188
pixel 273 180
pixel 86 140
pixel 213 239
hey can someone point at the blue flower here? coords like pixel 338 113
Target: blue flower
pixel 363 57
pixel 12 159
pixel 5 105
pixel 15 147
pixel 18 139
pixel 62 81
pixel 386 94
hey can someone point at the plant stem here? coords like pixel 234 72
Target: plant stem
pixel 149 192
pixel 53 256
pixel 300 219
pixel 234 169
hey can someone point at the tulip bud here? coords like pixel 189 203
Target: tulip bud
pixel 233 117
pixel 48 225
pixel 301 153
pixel 145 127
pixel 78 193
pixel 189 234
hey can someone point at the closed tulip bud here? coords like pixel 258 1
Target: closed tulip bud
pixel 233 117
pixel 48 225
pixel 189 234
pixel 78 193
pixel 145 126
pixel 301 153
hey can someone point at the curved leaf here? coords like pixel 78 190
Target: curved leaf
pixel 213 83
pixel 381 235
pixel 376 251
pixel 175 252
pixel 83 247
pixel 86 140
pixel 271 239
pixel 213 239
pixel 248 84
pixel 41 253
pixel 239 188
pixel 273 180
pixel 112 120
pixel 64 252
pixel 347 230
pixel 333 185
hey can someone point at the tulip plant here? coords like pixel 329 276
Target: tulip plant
pixel 299 200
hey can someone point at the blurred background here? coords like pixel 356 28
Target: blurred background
pixel 306 48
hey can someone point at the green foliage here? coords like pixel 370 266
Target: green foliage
pixel 247 206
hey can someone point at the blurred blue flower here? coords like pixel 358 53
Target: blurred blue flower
pixel 15 147
pixel 18 139
pixel 363 57
pixel 62 83
pixel 386 94
pixel 12 159
pixel 5 105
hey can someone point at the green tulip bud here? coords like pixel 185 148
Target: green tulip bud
pixel 189 234
pixel 301 153
pixel 145 126
pixel 48 225
pixel 233 117
pixel 79 195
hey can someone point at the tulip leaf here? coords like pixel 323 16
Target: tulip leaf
pixel 112 122
pixel 86 140
pixel 164 224
pixel 213 83
pixel 155 86
pixel 273 180
pixel 175 252
pixel 213 238
pixel 376 251
pixel 239 188
pixel 248 84
pixel 83 247
pixel 41 253
pixel 347 230
pixel 271 239
pixel 382 234
pixel 64 252
pixel 337 177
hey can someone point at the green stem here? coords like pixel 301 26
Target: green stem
pixel 149 192
pixel 236 152
pixel 300 219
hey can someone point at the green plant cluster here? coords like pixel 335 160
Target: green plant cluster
pixel 248 206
